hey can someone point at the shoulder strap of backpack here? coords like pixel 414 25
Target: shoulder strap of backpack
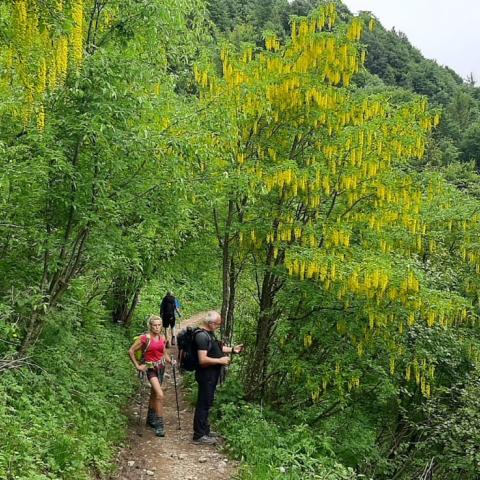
pixel 201 330
pixel 149 341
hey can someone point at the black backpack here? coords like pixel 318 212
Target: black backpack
pixel 187 350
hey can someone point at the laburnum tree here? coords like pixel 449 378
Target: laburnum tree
pixel 38 52
pixel 87 90
pixel 318 193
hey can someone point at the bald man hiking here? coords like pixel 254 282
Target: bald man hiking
pixel 212 355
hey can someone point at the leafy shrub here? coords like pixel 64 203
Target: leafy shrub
pixel 62 418
pixel 272 451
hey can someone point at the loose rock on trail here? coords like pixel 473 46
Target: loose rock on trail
pixel 174 456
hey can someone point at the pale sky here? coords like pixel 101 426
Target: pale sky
pixel 444 30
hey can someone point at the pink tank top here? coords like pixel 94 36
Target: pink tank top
pixel 155 350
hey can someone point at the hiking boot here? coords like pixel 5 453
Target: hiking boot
pixel 152 419
pixel 173 340
pixel 213 434
pixel 160 428
pixel 205 440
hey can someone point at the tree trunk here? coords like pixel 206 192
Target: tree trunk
pixel 125 297
pixel 258 365
pixel 227 265
pixel 226 262
pixel 229 321
pixel 34 329
pixel 268 316
pixel 71 266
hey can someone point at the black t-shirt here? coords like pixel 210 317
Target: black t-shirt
pixel 206 340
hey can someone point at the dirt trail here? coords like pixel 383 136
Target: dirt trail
pixel 175 456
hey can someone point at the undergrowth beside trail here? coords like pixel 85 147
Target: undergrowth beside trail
pixel 272 450
pixel 62 418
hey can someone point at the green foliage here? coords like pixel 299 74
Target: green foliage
pixel 454 429
pixel 397 62
pixel 391 59
pixel 470 146
pixel 317 332
pixel 272 451
pixel 93 198
pixel 192 276
pixel 62 415
pixel 111 173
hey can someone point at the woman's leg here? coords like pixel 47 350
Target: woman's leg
pixel 156 396
pixel 172 329
pixel 152 419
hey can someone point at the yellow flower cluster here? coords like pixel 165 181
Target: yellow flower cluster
pixel 21 16
pixel 314 268
pixel 271 43
pixel 424 374
pixel 354 31
pixel 410 284
pixel 38 57
pixel 326 15
pixel 336 380
pixel 201 77
pixel 77 31
pixel 41 118
pixel 61 60
pixel 42 77
pixel 248 55
pixel 369 284
pixel 471 256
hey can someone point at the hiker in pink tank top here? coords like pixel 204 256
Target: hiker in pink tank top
pixel 156 348
pixel 155 355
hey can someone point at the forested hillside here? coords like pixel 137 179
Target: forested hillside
pixel 301 169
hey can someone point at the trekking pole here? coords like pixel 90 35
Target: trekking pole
pixel 140 423
pixel 176 395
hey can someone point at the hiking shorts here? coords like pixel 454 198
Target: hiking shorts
pixel 168 322
pixel 156 372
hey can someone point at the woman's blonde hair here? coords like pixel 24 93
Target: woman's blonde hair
pixel 153 318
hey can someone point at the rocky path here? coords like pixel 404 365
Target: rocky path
pixel 174 457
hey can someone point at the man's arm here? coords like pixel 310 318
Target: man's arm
pixel 203 344
pixel 235 349
pixel 206 361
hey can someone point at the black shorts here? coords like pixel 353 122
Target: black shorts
pixel 156 372
pixel 168 321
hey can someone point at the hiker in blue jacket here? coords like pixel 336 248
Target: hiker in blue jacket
pixel 178 306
